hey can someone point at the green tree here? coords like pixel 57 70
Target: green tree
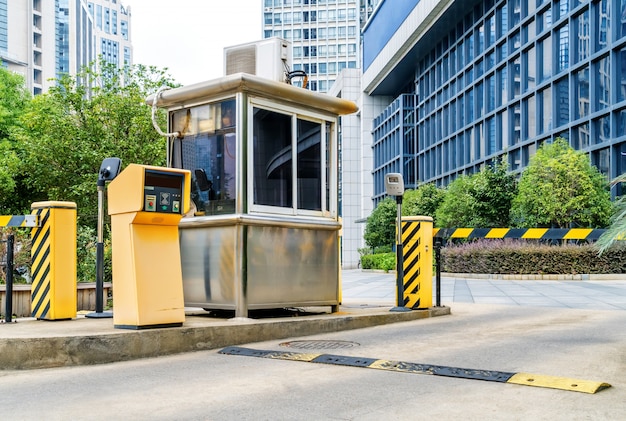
pixel 493 190
pixel 67 132
pixel 456 208
pixel 561 188
pixel 13 99
pixel 480 200
pixel 380 229
pixel 422 201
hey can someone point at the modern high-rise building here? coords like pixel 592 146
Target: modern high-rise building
pixel 43 39
pixel 324 35
pixel 470 82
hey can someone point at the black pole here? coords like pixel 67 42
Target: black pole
pixel 438 271
pixel 8 303
pixel 100 313
pixel 99 277
pixel 399 263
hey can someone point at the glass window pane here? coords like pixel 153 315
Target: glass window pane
pixel 562 102
pixel 516 77
pixel 603 129
pixel 530 64
pixel 273 163
pixel 603 19
pixel 564 47
pixel 546 63
pixel 491 93
pixel 546 110
pixel 208 149
pixel 603 83
pixel 504 97
pixel 581 90
pixel 583 37
pixel 531 118
pixel 309 164
pixel 516 119
pixel 580 139
pixel 621 29
pixel 621 71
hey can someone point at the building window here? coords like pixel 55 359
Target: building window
pixel 602 129
pixel 583 37
pixel 602 83
pixel 581 91
pixel 545 51
pixel 124 28
pixel 621 72
pixel 561 99
pixel 563 61
pixel 603 19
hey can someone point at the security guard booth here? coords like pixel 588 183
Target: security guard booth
pixel 146 205
pixel 417 241
pixel 264 161
pixel 53 259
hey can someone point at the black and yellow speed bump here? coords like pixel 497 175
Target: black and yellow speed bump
pixel 525 379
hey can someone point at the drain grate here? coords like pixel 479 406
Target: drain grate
pixel 320 344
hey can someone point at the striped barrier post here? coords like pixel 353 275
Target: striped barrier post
pixel 417 240
pixel 53 256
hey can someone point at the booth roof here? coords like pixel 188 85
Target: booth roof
pixel 243 82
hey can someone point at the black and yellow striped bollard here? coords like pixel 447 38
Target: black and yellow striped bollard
pixel 53 257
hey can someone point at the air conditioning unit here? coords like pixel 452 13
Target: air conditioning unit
pixel 268 58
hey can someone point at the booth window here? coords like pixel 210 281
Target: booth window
pixel 290 162
pixel 207 148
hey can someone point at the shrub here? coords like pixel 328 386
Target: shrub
pixel 526 257
pixel 383 261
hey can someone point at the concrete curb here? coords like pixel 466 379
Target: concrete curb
pixel 107 345
pixel 525 277
pixel 538 277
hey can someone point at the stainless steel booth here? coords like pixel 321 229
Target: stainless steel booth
pixel 264 229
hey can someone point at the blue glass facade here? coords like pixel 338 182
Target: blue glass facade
pixel 62 37
pixel 4 22
pixel 502 77
pixel 394 131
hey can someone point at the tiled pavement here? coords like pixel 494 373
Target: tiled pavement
pixel 361 288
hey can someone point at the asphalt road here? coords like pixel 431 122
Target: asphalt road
pixel 205 385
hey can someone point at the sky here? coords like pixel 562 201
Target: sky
pixel 188 36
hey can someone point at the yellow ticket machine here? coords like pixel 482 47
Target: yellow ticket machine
pixel 146 204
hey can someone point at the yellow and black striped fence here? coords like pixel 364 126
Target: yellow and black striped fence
pixel 442 234
pixel 19 221
pixel 589 234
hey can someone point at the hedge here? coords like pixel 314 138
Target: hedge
pixel 382 261
pixel 529 257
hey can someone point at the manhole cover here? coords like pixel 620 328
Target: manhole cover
pixel 319 344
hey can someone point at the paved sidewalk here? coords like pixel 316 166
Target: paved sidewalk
pixel 366 288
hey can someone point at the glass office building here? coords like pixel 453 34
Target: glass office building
pixel 470 82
